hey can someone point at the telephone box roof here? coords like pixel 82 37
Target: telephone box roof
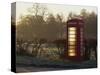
pixel 75 22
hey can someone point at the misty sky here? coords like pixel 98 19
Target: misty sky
pixel 22 9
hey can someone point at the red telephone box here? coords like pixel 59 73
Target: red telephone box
pixel 75 39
